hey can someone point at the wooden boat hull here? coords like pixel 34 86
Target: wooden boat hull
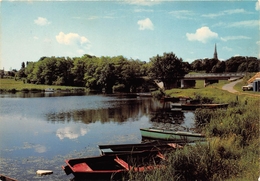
pixel 144 94
pixel 162 134
pixel 49 90
pixel 175 99
pixel 140 147
pixel 6 178
pixel 112 166
pixel 195 106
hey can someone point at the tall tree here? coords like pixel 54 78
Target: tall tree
pixel 78 70
pixel 167 68
pixel 197 65
pixel 108 77
pixel 219 67
pixel 208 64
pixel 23 65
pixel 233 63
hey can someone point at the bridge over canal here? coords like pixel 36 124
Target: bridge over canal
pixel 189 80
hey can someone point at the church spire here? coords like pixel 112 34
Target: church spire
pixel 215 52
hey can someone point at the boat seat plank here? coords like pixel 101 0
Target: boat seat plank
pixel 81 167
pixel 107 150
pixel 174 145
pixel 122 163
pixel 160 155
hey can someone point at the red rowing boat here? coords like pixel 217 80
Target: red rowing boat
pixel 113 166
pixel 5 178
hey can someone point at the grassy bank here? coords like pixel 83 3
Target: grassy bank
pixel 12 85
pixel 232 152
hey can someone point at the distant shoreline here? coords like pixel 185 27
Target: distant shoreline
pixel 13 86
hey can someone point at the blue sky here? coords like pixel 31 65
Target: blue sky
pixel 135 29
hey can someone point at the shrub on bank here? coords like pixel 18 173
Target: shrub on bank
pixel 25 90
pixel 12 90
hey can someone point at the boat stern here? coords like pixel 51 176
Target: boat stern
pixel 67 169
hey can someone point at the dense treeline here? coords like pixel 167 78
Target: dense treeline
pixel 234 64
pixel 87 71
pixel 122 74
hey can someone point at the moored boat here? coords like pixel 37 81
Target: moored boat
pixel 44 172
pixel 175 99
pixel 188 106
pixel 49 90
pixel 113 166
pixel 138 147
pixel 6 178
pixel 164 134
pixel 144 94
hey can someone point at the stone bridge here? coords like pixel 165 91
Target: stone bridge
pixel 189 80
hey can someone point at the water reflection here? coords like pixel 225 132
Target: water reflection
pixel 118 110
pixel 72 132
pixel 29 146
pixel 167 116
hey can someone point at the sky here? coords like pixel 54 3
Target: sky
pixel 135 29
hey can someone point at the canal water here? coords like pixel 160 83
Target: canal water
pixel 40 131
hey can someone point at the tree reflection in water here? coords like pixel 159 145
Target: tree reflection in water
pixel 118 110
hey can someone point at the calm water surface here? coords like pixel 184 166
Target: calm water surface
pixel 41 132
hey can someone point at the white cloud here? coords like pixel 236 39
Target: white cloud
pixel 258 42
pixel 143 2
pixel 239 24
pixel 190 60
pixel 182 14
pixel 234 38
pixel 143 10
pixel 36 38
pixel 73 39
pixel 237 55
pixel 202 34
pixel 145 24
pixel 248 23
pixel 41 21
pixel 224 13
pixel 93 17
pixel 257 5
pixel 234 11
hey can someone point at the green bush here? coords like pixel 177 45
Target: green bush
pixel 25 90
pixel 12 90
pixel 119 88
pixel 36 90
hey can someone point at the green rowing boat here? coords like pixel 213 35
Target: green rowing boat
pixel 163 134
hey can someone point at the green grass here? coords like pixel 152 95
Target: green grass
pixel 19 85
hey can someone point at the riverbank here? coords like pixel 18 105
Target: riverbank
pixel 232 152
pixel 13 86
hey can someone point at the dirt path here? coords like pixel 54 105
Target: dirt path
pixel 230 88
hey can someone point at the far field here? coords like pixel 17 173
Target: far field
pixel 19 85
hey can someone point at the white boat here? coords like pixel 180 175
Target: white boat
pixel 49 90
pixel 44 172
